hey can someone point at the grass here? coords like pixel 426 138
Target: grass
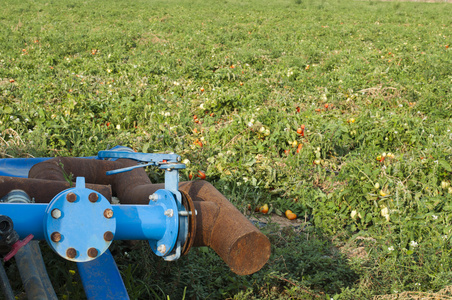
pixel 370 81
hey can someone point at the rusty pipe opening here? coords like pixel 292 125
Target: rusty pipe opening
pixel 219 225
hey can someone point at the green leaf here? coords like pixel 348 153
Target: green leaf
pixel 7 110
pixel 445 165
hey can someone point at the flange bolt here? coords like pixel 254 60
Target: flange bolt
pixel 71 197
pixel 92 252
pixel 56 213
pixel 55 236
pixel 154 197
pixel 93 197
pixel 161 249
pixel 71 252
pixel 108 213
pixel 169 213
pixel 108 236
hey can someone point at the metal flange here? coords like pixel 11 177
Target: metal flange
pixel 79 223
pixel 167 201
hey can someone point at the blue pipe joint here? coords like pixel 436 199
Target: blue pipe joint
pixel 79 223
pixel 167 201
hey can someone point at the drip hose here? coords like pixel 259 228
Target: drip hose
pixel 33 273
pixel 6 286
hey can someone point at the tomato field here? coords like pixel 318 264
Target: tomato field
pixel 337 110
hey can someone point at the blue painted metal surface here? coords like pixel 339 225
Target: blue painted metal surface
pixel 145 159
pixel 78 218
pixel 18 167
pixel 101 278
pixel 27 218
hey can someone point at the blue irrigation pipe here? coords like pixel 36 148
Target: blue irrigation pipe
pixel 101 278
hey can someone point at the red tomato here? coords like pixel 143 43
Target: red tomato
pixel 201 175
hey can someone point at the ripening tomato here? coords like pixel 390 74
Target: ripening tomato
pixel 299 130
pixel 190 176
pixel 299 148
pixel 198 142
pixel 201 175
pixel 291 216
pixel 264 208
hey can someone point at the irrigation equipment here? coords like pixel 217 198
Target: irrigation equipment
pixel 39 201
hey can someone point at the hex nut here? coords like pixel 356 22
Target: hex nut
pixel 169 213
pixel 154 197
pixel 56 213
pixel 71 252
pixel 71 197
pixel 93 197
pixel 161 249
pixel 92 252
pixel 108 213
pixel 55 236
pixel 108 236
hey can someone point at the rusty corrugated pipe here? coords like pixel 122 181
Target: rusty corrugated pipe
pixel 219 224
pixel 41 190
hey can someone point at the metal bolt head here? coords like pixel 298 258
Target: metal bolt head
pixel 71 252
pixel 108 213
pixel 169 213
pixel 154 197
pixel 55 236
pixel 56 213
pixel 108 236
pixel 161 249
pixel 92 252
pixel 93 197
pixel 71 197
pixel 169 169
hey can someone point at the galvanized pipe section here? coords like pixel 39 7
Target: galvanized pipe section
pixel 44 190
pixel 33 273
pixel 219 224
